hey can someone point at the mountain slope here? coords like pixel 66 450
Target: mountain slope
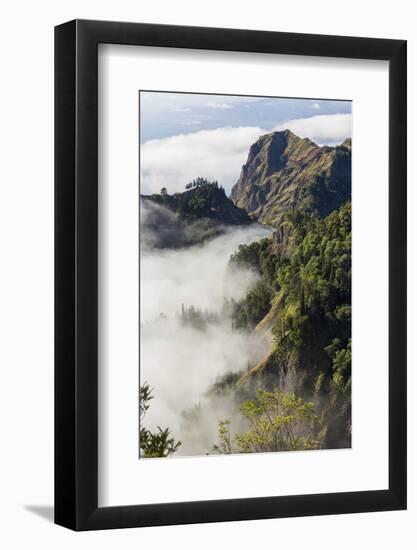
pixel 304 300
pixel 284 172
pixel 192 217
pixel 205 200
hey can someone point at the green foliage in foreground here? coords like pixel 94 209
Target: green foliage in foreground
pixel 225 439
pixel 157 444
pixel 278 422
pixel 153 444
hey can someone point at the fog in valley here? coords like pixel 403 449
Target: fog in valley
pixel 187 335
pixel 245 341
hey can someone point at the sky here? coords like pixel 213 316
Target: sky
pixel 184 135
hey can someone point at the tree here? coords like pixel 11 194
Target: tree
pixel 145 395
pixel 278 422
pixel 164 191
pixel 157 444
pixel 225 443
pixel 153 444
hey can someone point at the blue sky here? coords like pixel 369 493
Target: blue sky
pixel 166 114
pixel 184 136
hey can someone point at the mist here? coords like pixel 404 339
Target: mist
pixel 181 361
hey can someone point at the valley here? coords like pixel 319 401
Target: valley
pixel 246 306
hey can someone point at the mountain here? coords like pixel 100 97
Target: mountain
pixel 192 217
pixel 284 172
pixel 304 300
pixel 303 295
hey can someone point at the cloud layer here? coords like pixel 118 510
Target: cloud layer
pixel 179 361
pixel 215 154
pixel 219 154
pixel 322 129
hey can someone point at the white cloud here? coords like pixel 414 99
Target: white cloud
pixel 219 154
pixel 178 361
pixel 160 102
pixel 216 154
pixel 315 106
pixel 323 129
pixel 191 122
pixel 214 105
pixel 181 110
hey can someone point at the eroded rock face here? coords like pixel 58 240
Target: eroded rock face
pixel 284 172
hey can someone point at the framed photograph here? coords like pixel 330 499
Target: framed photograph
pixel 230 252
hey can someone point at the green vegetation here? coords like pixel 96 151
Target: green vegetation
pixel 278 422
pixel 196 318
pixel 298 396
pixel 253 309
pixel 304 298
pixel 201 182
pixel 202 199
pixel 201 213
pixel 153 444
pixel 225 439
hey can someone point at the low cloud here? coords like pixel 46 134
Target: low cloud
pixel 192 122
pixel 181 110
pixel 215 105
pixel 181 361
pixel 322 129
pixel 219 154
pixel 215 154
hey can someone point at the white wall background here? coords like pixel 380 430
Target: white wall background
pixel 26 273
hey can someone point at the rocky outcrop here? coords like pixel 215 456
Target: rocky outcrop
pixel 284 172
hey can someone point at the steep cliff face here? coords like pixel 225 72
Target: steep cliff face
pixel 284 172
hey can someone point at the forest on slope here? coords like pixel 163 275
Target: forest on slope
pixel 297 395
pixel 303 297
pixel 200 213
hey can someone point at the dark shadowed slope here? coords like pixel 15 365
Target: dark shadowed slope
pixel 284 172
pixel 192 217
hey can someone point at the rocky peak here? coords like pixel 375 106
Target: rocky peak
pixel 270 153
pixel 284 171
pixel 347 144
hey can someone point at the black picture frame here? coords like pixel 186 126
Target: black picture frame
pixel 76 273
